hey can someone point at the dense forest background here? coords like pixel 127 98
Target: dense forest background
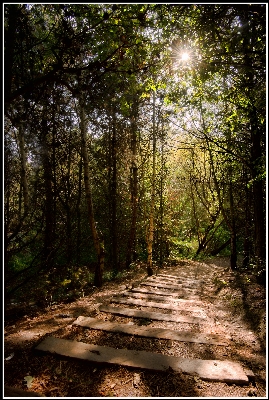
pixel 132 133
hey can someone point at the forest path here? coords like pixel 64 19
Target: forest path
pixel 190 335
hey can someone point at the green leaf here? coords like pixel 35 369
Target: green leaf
pixel 65 282
pixel 29 380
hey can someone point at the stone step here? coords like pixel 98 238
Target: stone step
pixel 157 333
pixel 160 298
pixel 181 285
pixel 157 291
pixel 144 303
pixel 178 281
pixel 211 370
pixel 175 279
pixel 168 276
pixel 174 295
pixel 129 312
pixel 180 277
pixel 166 286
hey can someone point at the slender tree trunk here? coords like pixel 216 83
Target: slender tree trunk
pixel 161 257
pixel 247 225
pixel 230 221
pixel 205 239
pixel 24 182
pixel 150 236
pixel 69 241
pixel 200 245
pixel 258 190
pixel 10 36
pixel 131 251
pixel 49 215
pixel 222 247
pixel 114 230
pixel 233 229
pixel 97 240
pixel 78 245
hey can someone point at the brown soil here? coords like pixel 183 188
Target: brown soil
pixel 234 304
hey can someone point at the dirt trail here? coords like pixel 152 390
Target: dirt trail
pixel 229 306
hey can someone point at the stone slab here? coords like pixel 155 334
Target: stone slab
pixel 166 286
pixel 145 303
pixel 157 291
pixel 159 298
pixel 181 278
pixel 211 370
pixel 183 283
pixel 129 312
pixel 157 333
pixel 175 279
pixel 168 276
pixel 164 293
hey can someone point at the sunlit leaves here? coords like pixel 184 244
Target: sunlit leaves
pixel 29 381
pixel 119 56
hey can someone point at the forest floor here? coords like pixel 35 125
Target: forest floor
pixel 233 301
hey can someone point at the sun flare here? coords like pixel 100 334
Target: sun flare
pixel 185 56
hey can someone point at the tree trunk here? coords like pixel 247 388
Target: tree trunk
pixel 10 37
pixel 49 206
pixel 256 139
pixel 195 216
pixel 24 182
pixel 222 247
pixel 150 235
pixel 229 219
pixel 131 250
pixel 233 228
pixel 248 224
pixel 98 242
pixel 113 191
pixel 78 213
pixel 161 255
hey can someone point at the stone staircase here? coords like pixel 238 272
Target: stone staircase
pixel 177 299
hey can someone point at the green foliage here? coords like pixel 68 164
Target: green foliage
pixel 219 283
pixel 182 249
pixel 257 267
pixel 236 304
pixel 209 122
pixel 19 262
pixel 115 275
